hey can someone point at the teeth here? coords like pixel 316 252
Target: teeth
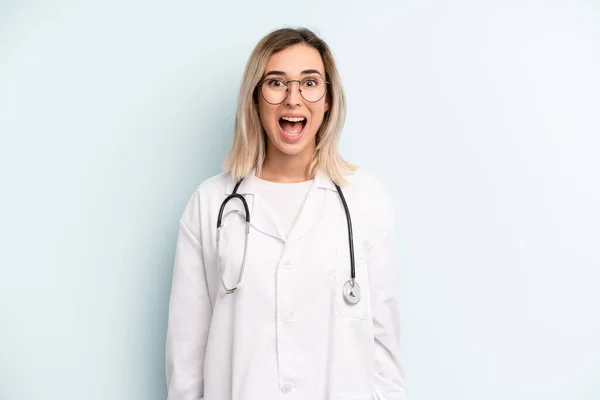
pixel 293 119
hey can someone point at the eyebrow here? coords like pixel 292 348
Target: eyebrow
pixel 305 72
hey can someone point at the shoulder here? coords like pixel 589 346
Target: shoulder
pixel 210 190
pixel 367 187
pixel 371 200
pixel 214 186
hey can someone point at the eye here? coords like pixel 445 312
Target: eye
pixel 310 82
pixel 275 83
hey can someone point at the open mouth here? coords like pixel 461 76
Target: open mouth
pixel 292 127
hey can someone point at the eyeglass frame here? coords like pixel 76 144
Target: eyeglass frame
pixel 287 90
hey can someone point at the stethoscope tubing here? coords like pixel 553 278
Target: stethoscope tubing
pixel 246 216
pixel 350 235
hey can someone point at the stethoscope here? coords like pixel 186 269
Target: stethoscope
pixel 350 290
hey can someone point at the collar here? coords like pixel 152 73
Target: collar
pixel 248 185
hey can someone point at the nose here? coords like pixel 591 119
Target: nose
pixel 294 98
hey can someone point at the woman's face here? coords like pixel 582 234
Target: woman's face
pixel 292 126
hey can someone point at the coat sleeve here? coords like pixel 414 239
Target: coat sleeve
pixel 389 373
pixel 190 311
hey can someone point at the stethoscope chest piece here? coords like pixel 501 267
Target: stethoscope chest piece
pixel 351 292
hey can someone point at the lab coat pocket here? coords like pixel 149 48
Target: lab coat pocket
pixel 361 309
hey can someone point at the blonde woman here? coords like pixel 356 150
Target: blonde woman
pixel 284 278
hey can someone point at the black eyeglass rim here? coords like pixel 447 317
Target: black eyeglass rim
pixel 262 81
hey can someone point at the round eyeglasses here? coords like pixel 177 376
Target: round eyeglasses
pixel 275 90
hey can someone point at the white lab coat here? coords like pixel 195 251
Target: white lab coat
pixel 287 333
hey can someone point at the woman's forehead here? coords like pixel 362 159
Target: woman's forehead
pixel 293 60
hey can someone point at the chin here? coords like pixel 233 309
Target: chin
pixel 292 149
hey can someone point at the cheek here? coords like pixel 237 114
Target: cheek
pixel 317 113
pixel 266 113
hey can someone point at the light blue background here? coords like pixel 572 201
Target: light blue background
pixel 481 117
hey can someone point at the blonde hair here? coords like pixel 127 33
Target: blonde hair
pixel 248 149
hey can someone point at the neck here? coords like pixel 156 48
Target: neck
pixel 280 167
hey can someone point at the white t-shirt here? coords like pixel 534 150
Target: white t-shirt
pixel 284 201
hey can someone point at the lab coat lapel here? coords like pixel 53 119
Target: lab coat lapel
pixel 259 218
pixel 315 206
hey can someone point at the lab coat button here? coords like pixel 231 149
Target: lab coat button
pixel 286 388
